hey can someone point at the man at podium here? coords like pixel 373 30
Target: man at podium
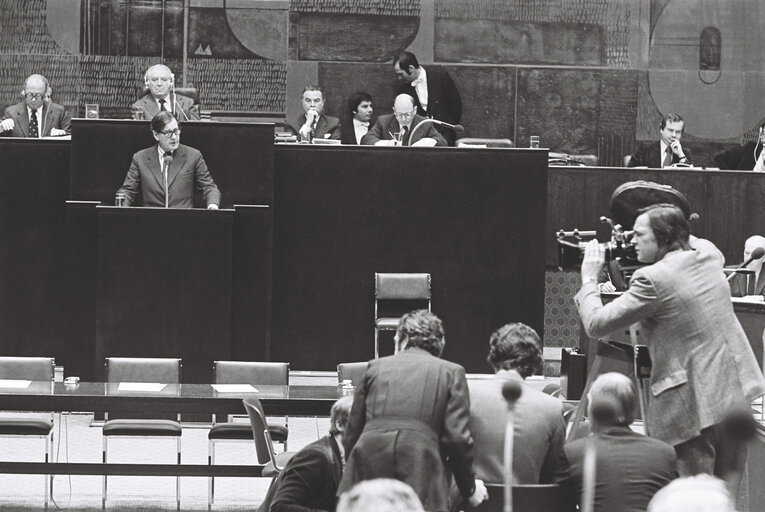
pixel 166 174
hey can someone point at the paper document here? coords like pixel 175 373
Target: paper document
pixel 141 386
pixel 15 384
pixel 234 388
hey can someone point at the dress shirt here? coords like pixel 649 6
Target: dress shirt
pixel 420 85
pixel 361 128
pixel 38 114
pixel 166 101
pixel 759 165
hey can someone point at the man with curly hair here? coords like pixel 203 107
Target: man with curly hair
pixel 409 419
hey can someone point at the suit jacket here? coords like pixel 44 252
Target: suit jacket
pixel 188 110
pixel 409 420
pixel 327 127
pixel 444 102
pixel 348 131
pixel 537 439
pixel 702 361
pixel 54 116
pixel 648 155
pixel 187 169
pixel 741 158
pixel 387 125
pixel 738 284
pixel 631 468
pixel 310 479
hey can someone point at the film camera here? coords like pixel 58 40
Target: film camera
pixel 619 248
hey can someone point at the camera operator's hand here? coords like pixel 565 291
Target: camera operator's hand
pixel 594 258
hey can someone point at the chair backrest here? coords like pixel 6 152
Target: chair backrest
pixel 189 92
pixel 251 372
pixel 353 371
pixel 402 286
pixel 166 370
pixel 27 368
pixel 480 142
pixel 264 447
pixel 527 498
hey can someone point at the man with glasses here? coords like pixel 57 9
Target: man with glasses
pixel 401 127
pixel 160 96
pixel 166 173
pixel 36 116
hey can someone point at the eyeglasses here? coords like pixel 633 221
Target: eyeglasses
pixel 170 133
pixel 36 96
pixel 403 115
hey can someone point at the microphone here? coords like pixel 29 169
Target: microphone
pixel 458 128
pixel 756 254
pixel 168 157
pixel 178 107
pixel 511 391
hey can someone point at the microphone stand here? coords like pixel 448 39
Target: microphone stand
pixel 456 127
pixel 758 253
pixel 511 391
pixel 175 104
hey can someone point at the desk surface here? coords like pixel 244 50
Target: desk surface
pixel 180 398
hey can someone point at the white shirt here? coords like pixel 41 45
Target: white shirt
pixel 421 88
pixel 38 115
pixel 361 128
pixel 166 99
pixel 759 165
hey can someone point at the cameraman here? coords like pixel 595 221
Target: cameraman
pixel 702 361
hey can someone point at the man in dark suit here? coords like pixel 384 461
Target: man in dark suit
pixel 310 479
pixel 312 123
pixel 400 128
pixel 36 116
pixel 748 157
pixel 360 108
pixel 667 150
pixel 515 352
pixel 166 174
pixel 410 419
pixel 630 467
pixel 161 96
pixel 434 92
pixel 739 284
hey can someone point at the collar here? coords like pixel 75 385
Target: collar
pixel 421 79
pixel 161 154
pixel 38 111
pixel 356 122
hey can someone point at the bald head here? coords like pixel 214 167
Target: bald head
pixel 750 245
pixel 35 88
pixel 403 103
pixel 612 401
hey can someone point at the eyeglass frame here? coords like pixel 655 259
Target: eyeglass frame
pixel 404 115
pixel 35 95
pixel 168 134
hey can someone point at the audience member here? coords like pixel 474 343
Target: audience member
pixel 739 283
pixel 515 352
pixel 747 157
pixel 310 479
pixel 360 107
pixel 312 122
pixel 161 96
pixel 703 364
pixel 410 419
pixel 435 94
pixel 630 467
pixel 380 495
pixel 166 174
pixel 36 116
pixel 396 129
pixel 700 493
pixel 667 150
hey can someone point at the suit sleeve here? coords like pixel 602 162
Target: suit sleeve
pixel 599 320
pixel 205 183
pixel 555 456
pixel 374 135
pixel 455 434
pixel 65 122
pixel 194 112
pixel 336 131
pixel 638 157
pixel 358 416
pixel 7 115
pixel 132 182
pixel 434 134
pixel 688 155
pixel 302 482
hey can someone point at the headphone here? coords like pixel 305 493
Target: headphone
pixel 146 79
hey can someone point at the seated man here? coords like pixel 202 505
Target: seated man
pixel 630 467
pixel 161 96
pixel 739 283
pixel 310 479
pixel 748 157
pixel 36 116
pixel 312 122
pixel 397 129
pixel 360 107
pixel 515 352
pixel 667 150
pixel 166 174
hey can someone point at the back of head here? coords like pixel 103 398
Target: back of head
pixel 669 226
pixel 516 347
pixel 421 329
pixel 700 493
pixel 380 495
pixel 612 400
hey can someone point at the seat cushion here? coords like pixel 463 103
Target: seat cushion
pixel 387 324
pixel 159 428
pixel 243 431
pixel 25 427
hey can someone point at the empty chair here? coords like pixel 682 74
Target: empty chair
pixel 351 371
pixel 244 372
pixel 143 369
pixel 35 369
pixel 397 287
pixel 526 498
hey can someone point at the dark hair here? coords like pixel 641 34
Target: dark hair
pixel 160 120
pixel 406 59
pixel 356 98
pixel 516 347
pixel 423 329
pixel 311 87
pixel 669 226
pixel 671 118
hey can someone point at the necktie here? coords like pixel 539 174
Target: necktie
pixel 668 158
pixel 162 106
pixel 405 136
pixel 34 131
